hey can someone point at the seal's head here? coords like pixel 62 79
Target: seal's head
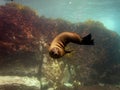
pixel 56 52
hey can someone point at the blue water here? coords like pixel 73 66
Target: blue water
pixel 105 11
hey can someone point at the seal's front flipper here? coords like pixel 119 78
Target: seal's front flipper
pixel 87 40
pixel 66 51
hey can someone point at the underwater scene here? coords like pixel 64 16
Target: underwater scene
pixel 59 45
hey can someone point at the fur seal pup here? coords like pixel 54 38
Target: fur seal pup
pixel 57 47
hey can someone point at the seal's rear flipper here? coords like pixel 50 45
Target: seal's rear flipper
pixel 87 40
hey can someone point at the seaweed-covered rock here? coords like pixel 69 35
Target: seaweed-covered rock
pixel 88 64
pixel 17 29
pixel 19 41
pixel 19 45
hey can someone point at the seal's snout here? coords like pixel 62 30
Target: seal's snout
pixel 54 53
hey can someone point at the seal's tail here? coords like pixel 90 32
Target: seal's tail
pixel 87 40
